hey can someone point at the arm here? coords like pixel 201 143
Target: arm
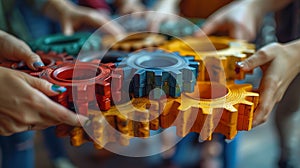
pixel 280 64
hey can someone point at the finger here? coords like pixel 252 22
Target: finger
pixel 44 86
pixel 55 112
pixel 114 29
pixel 266 104
pixel 261 57
pixel 268 94
pixel 211 26
pixel 67 27
pixel 239 32
pixel 24 53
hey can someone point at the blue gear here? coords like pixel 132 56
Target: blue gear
pixel 167 71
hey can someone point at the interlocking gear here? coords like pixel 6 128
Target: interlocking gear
pixel 134 41
pixel 66 44
pixel 215 54
pixel 86 83
pixel 145 71
pixel 211 108
pixel 118 124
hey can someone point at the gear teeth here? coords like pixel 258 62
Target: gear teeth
pixel 226 51
pixel 81 92
pixel 226 114
pixel 133 42
pixel 173 74
pixel 123 122
pixel 67 44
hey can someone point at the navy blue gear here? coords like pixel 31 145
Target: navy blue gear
pixel 167 72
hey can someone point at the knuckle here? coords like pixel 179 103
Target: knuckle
pixel 62 117
pixel 262 54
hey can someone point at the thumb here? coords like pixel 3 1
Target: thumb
pixel 67 27
pixel 44 86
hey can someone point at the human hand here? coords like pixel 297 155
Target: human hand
pixel 73 17
pixel 17 50
pixel 239 20
pixel 24 104
pixel 23 99
pixel 280 65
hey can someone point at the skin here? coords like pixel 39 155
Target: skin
pixel 73 17
pixel 168 7
pixel 24 100
pixel 129 6
pixel 275 60
pixel 231 21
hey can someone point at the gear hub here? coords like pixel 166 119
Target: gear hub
pixel 158 71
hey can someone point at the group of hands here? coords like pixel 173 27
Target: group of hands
pixel 25 102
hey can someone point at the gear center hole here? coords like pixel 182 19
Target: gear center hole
pixel 156 62
pixel 67 74
pixel 208 91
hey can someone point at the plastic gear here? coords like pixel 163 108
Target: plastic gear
pixel 158 71
pixel 228 52
pixel 213 108
pixel 66 44
pixel 134 41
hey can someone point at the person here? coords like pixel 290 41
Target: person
pixel 24 100
pixel 242 20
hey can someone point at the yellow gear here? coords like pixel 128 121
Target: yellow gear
pixel 217 55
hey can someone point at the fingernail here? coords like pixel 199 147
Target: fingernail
pixel 38 64
pixel 240 64
pixel 59 89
